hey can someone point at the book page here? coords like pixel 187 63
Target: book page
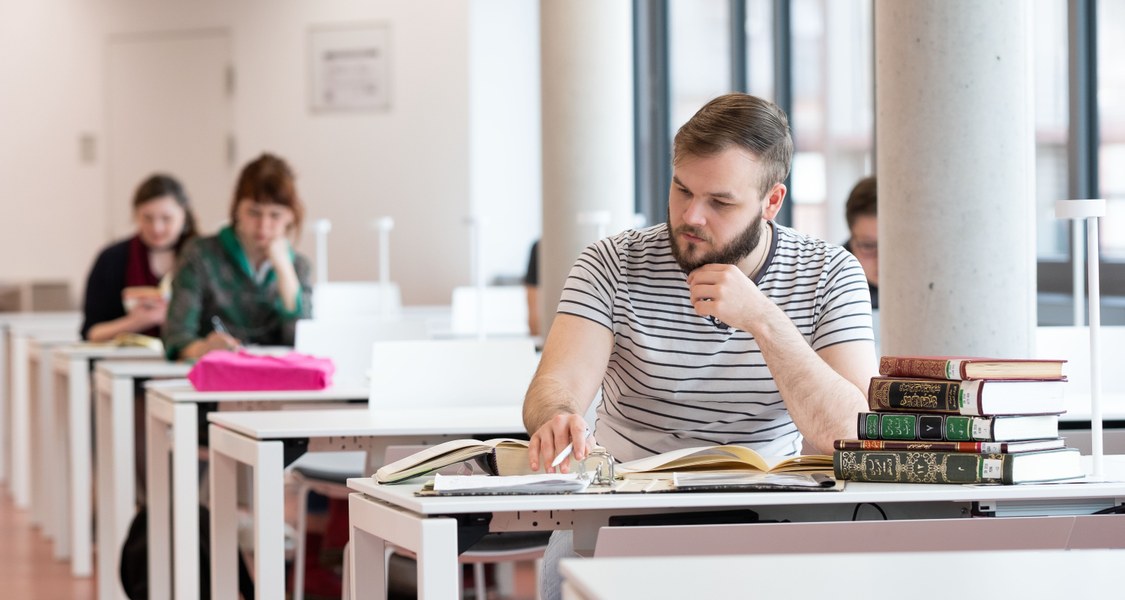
pixel 727 457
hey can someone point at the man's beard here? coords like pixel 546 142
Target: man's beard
pixel 739 248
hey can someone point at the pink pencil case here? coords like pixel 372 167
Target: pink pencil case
pixel 241 371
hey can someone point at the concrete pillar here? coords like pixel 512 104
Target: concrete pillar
pixel 587 74
pixel 955 139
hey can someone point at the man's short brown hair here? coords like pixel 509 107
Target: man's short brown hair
pixel 861 202
pixel 748 122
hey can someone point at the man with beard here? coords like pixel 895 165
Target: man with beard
pixel 717 327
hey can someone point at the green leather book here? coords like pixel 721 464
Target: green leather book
pixel 906 466
pixel 954 428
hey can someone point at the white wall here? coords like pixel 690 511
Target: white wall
pixel 50 201
pixel 411 162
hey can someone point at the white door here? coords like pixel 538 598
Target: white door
pixel 170 111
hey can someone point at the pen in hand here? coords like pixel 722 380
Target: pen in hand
pixel 220 328
pixel 217 325
pixel 568 449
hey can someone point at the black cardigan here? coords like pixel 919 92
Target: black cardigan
pixel 104 286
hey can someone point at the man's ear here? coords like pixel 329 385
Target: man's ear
pixel 774 201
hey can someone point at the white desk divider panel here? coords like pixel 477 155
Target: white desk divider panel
pixel 347 341
pixel 505 311
pixel 345 299
pixel 1028 574
pixel 451 373
pixel 1073 345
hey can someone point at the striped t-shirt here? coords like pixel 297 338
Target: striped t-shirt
pixel 676 379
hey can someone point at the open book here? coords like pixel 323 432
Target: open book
pixel 727 458
pixel 138 340
pixel 498 456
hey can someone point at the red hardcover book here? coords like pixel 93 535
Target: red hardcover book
pixel 965 367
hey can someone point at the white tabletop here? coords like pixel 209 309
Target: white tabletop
pixel 98 350
pixel 180 390
pixel 285 424
pixel 7 318
pixel 33 323
pixel 855 492
pixel 142 368
pixel 862 576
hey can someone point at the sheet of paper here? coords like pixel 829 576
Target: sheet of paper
pixel 539 483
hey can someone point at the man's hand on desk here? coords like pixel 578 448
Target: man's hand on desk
pixel 553 436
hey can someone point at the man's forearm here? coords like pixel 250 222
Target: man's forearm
pixel 546 398
pixel 822 403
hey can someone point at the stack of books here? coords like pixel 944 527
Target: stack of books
pixel 961 420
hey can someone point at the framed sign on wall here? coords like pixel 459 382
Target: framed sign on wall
pixel 349 67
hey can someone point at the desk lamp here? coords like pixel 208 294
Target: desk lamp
pixel 322 227
pixel 384 224
pixel 1090 210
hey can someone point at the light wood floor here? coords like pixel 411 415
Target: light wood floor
pixel 27 565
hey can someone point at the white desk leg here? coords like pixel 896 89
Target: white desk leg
pixel 41 459
pixel 115 478
pixel 438 572
pixel 185 500
pixel 433 540
pixel 223 478
pixel 368 580
pixel 21 421
pixel 157 447
pixel 269 521
pixel 81 503
pixel 55 413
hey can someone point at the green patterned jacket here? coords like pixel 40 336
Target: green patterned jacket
pixel 214 278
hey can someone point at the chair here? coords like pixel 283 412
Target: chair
pixel 493 372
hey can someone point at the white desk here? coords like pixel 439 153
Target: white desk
pixel 1030 574
pixel 381 515
pixel 6 319
pixel 171 422
pixel 114 385
pixel 20 334
pixel 72 367
pixel 259 440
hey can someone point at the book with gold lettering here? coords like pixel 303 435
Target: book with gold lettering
pixel 905 466
pixel 975 397
pixel 977 447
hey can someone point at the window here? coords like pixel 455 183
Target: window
pixel 829 86
pixel 1111 117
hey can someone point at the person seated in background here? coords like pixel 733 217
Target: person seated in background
pixel 863 242
pixel 123 290
pixel 244 285
pixel 531 284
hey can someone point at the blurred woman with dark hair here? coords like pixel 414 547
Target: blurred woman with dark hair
pixel 123 291
pixel 245 284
